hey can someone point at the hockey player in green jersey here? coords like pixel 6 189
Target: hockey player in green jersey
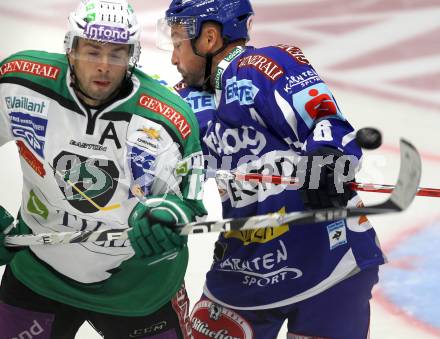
pixel 94 133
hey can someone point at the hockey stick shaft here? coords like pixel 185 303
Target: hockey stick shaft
pixel 401 197
pixel 293 181
pixel 380 188
pixel 225 225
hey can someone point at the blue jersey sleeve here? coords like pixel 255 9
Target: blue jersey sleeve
pixel 297 105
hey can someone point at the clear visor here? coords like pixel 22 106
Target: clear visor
pixel 102 53
pixel 173 30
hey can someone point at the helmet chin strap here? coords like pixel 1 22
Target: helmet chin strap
pixel 207 86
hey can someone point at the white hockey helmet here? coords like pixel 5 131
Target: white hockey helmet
pixel 110 21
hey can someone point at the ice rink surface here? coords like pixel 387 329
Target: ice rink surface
pixel 381 58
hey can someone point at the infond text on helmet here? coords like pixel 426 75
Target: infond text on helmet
pixel 106 33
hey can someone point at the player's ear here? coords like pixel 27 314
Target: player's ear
pixel 211 37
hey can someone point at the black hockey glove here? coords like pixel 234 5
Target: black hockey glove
pixel 326 175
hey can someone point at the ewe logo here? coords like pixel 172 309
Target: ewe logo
pixel 106 33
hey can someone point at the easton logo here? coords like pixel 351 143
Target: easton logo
pixel 106 33
pixel 29 67
pixel 173 116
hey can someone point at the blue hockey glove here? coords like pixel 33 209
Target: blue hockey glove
pixel 6 220
pixel 151 235
pixel 324 186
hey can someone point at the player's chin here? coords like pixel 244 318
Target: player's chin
pixel 99 96
pixel 192 82
pixel 101 93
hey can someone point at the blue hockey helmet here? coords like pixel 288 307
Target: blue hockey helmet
pixel 234 16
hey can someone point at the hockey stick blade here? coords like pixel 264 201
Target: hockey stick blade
pixel 400 198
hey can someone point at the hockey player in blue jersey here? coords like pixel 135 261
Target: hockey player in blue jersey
pixel 259 109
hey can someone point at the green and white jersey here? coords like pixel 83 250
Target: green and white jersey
pixel 80 167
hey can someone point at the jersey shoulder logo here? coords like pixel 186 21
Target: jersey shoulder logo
pixel 316 102
pixel 263 64
pixel 171 114
pixel 295 53
pixel 30 67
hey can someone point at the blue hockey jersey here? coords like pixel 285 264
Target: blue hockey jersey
pixel 270 106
